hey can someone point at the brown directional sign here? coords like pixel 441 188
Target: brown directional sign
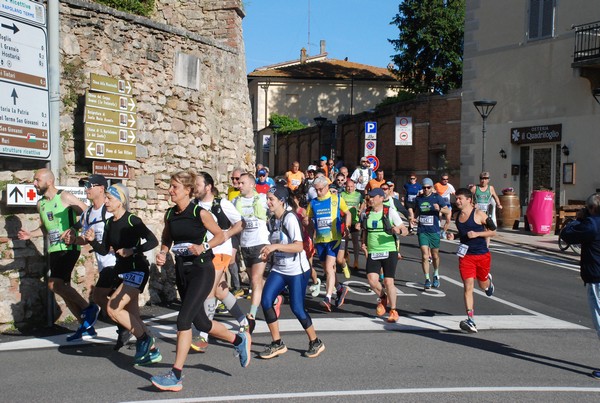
pixel 111 85
pixel 108 117
pixel 110 101
pixel 110 151
pixel 109 134
pixel 112 170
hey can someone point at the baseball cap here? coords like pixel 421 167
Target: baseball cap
pixel 311 168
pixel 364 159
pixel 261 172
pixel 427 182
pixel 96 179
pixel 389 183
pixel 377 192
pixel 323 158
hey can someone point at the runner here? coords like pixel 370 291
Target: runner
pixel 58 212
pixel 428 207
pixel 362 174
pixel 325 212
pixel 411 190
pixel 380 224
pixel 123 234
pixel 474 259
pixel 235 263
pixel 355 202
pixel 484 193
pixel 289 269
pixel 446 190
pixel 230 221
pixel 294 177
pixel 185 231
pixel 377 182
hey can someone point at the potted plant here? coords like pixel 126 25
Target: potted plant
pixel 508 191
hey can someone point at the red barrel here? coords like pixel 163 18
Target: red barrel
pixel 540 212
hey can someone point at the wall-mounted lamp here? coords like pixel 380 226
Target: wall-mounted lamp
pixel 596 94
pixel 502 154
pixel 565 150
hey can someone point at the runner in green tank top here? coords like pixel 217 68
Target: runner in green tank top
pixel 354 199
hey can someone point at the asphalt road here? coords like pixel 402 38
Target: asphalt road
pixel 535 343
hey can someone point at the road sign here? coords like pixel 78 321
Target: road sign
pixel 113 170
pixel 109 117
pixel 370 147
pixel 403 135
pixel 374 161
pixel 109 134
pixel 26 195
pixel 109 84
pixel 370 130
pixel 24 101
pixel 110 101
pixel 110 151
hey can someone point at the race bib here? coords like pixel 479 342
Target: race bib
pixel 380 255
pixel 132 278
pixel 411 198
pixel 54 236
pixel 181 249
pixel 296 182
pixel 323 223
pixel 278 259
pixel 462 250
pixel 275 237
pixel 426 219
pixel 251 223
pixel 482 206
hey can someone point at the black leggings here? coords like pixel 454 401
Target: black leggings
pixel 195 278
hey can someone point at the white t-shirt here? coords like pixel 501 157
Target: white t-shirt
pixel 94 220
pixel 232 215
pixel 255 231
pixel 289 264
pixel 361 176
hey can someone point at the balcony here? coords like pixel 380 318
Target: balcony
pixel 587 46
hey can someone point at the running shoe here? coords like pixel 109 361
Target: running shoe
pixel 221 308
pixel 468 325
pixel 90 315
pixel 123 336
pixel 83 334
pixel 168 382
pixel 490 290
pixel 315 289
pixel 393 318
pixel 315 348
pixel 152 357
pixel 239 293
pixel 250 326
pixel 430 260
pixel 341 295
pixel 427 284
pixel 326 303
pixel 381 305
pixel 436 282
pixel 277 305
pixel 273 350
pixel 199 344
pixel 596 374
pixel 142 347
pixel 243 350
pixel 346 270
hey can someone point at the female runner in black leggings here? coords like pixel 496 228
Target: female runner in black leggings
pixel 184 233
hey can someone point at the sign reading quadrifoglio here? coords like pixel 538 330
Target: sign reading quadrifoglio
pixel 536 134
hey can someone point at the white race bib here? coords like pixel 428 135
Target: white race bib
pixel 181 249
pixel 54 236
pixel 482 206
pixel 251 223
pixel 380 255
pixel 462 250
pixel 323 223
pixel 426 219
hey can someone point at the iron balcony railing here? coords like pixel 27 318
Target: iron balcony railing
pixel 587 42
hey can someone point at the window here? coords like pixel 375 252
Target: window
pixel 541 18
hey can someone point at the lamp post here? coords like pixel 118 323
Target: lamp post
pixel 484 107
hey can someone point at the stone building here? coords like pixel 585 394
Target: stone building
pixel 187 67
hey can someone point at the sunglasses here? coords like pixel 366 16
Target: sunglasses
pixel 426 187
pixel 234 178
pixel 385 188
pixel 413 179
pixel 88 185
pixel 444 179
pixel 484 178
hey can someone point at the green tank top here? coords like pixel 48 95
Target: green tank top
pixel 353 201
pixel 377 239
pixel 57 219
pixel 482 198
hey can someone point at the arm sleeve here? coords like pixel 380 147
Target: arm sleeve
pixel 144 233
pixel 102 248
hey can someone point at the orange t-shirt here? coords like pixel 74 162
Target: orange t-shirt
pixel 294 179
pixel 374 184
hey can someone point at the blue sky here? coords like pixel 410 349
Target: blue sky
pixel 276 30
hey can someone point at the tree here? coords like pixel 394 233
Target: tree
pixel 285 124
pixel 430 45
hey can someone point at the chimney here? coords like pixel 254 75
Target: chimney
pixel 303 55
pixel 322 43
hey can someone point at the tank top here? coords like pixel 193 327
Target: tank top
pixel 353 200
pixel 377 239
pixel 57 219
pixel 186 228
pixel 477 246
pixel 294 179
pixel 482 198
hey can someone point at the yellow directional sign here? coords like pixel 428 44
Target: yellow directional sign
pixel 109 117
pixel 110 151
pixel 110 101
pixel 109 134
pixel 111 85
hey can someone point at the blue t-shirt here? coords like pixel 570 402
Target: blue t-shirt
pixel 428 216
pixel 412 189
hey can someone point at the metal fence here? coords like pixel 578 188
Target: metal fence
pixel 587 42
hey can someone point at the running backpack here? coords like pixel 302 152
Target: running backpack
pixel 385 219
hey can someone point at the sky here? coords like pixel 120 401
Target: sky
pixel 276 30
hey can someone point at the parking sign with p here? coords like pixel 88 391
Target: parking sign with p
pixel 370 130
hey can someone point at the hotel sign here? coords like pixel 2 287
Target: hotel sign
pixel 536 134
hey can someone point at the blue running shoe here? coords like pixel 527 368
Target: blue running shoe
pixel 596 374
pixel 168 382
pixel 142 347
pixel 90 315
pixel 83 334
pixel 436 282
pixel 341 295
pixel 153 357
pixel 468 325
pixel 490 290
pixel 427 284
pixel 243 350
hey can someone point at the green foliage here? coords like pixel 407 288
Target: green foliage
pixel 285 123
pixel 139 7
pixel 401 97
pixel 430 45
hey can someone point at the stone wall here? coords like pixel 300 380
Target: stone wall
pixel 178 128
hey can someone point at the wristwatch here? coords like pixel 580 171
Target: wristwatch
pixel 206 246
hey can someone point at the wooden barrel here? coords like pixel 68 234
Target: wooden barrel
pixel 511 211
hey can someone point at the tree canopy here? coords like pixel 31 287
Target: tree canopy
pixel 429 45
pixel 284 124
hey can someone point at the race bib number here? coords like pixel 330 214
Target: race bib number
pixel 426 219
pixel 482 206
pixel 275 237
pixel 251 224
pixel 181 249
pixel 132 278
pixel 278 259
pixel 323 223
pixel 411 198
pixel 54 236
pixel 462 250
pixel 380 255
pixel 295 182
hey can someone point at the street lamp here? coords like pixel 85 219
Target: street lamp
pixel 320 122
pixel 484 107
pixel 596 94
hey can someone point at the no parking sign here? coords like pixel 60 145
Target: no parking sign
pixel 403 131
pixel 370 147
pixel 374 161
